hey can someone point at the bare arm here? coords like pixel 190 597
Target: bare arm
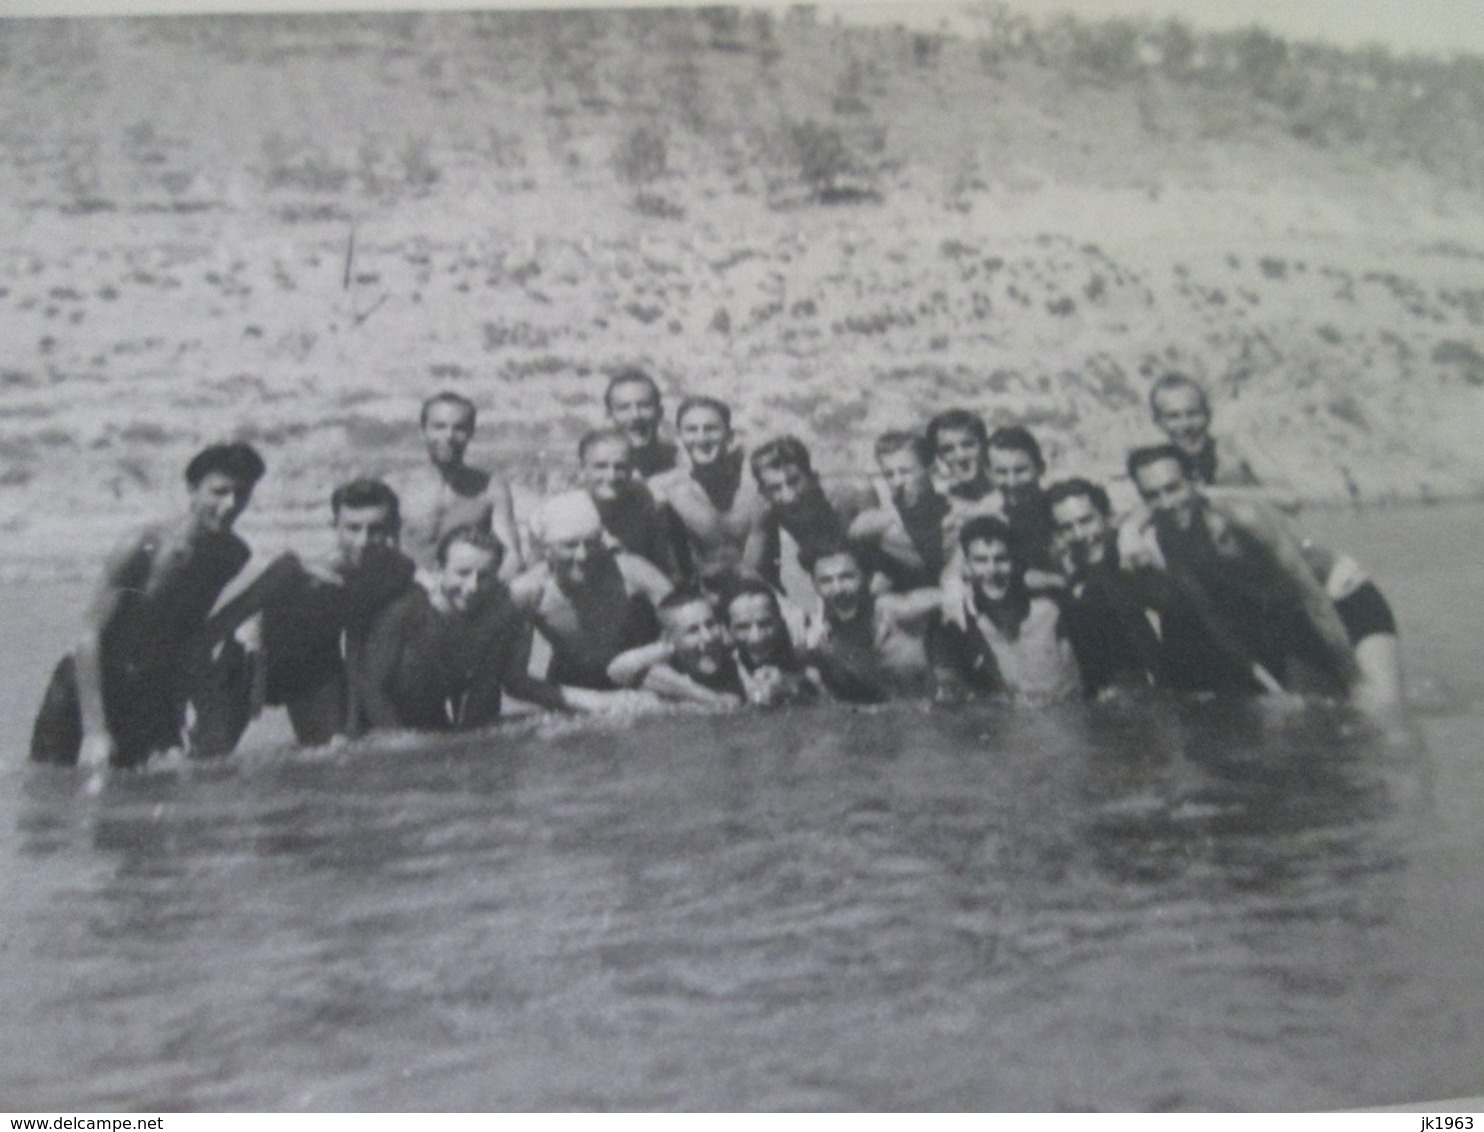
pixel 127 568
pixel 629 669
pixel 676 687
pixel 914 607
pixel 502 522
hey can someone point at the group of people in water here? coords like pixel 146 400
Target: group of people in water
pixel 695 572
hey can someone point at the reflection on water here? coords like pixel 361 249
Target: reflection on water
pixel 1142 905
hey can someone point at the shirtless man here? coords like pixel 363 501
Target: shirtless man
pixel 633 403
pixel 590 602
pixel 959 443
pixel 1015 468
pixel 447 493
pixel 797 506
pixel 773 671
pixel 1182 411
pixel 1246 571
pixel 692 663
pixel 869 647
pixel 440 659
pixel 122 695
pixel 1002 638
pixel 905 540
pixel 1131 628
pixel 628 510
pixel 720 515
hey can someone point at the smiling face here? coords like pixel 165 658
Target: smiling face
pixel 989 568
pixel 634 407
pixel 607 470
pixel 698 638
pixel 705 435
pixel 1168 492
pixel 217 501
pixel 841 586
pixel 960 458
pixel 467 571
pixel 907 479
pixel 1082 531
pixel 1181 414
pixel 757 628
pixel 1014 474
pixel 363 531
pixel 447 432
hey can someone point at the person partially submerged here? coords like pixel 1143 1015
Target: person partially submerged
pixel 122 694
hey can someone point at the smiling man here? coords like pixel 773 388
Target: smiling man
pixel 626 506
pixel 905 539
pixel 122 694
pixel 719 513
pixel 633 403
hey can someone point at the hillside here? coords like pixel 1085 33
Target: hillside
pixel 292 229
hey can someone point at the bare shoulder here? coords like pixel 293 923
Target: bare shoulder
pixel 666 484
pixel 130 558
pixel 527 589
pixel 871 523
pixel 642 576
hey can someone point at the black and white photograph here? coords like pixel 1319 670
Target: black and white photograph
pixel 869 556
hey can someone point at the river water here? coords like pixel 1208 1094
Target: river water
pixel 1146 905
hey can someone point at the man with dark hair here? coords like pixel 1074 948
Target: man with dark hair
pixel 1131 628
pixel 628 510
pixel 1015 468
pixel 1245 570
pixel 797 506
pixel 122 694
pixel 773 671
pixel 632 400
pixel 959 443
pixel 719 527
pixel 448 493
pixel 868 647
pixel 905 538
pixel 1001 637
pixel 590 602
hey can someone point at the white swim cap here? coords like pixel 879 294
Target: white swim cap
pixel 569 517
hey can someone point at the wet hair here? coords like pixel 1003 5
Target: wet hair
pixel 988 528
pixel 629 377
pixel 1140 458
pixel 1173 381
pixel 366 493
pixel 956 420
pixel 811 556
pixel 680 597
pixel 470 535
pixel 1018 438
pixel 750 587
pixel 896 441
pixel 1079 488
pixel 599 436
pixel 238 461
pixel 449 397
pixel 721 408
pixel 779 453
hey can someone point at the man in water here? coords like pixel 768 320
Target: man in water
pixel 720 514
pixel 448 493
pixel 1248 574
pixel 797 506
pixel 1001 637
pixel 959 443
pixel 440 659
pixel 628 510
pixel 869 647
pixel 633 403
pixel 1015 468
pixel 1182 411
pixel 693 661
pixel 590 602
pixel 905 540
pixel 772 669
pixel 1131 628
pixel 122 695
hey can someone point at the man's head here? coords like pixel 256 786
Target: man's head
pixel 607 464
pixel 1015 464
pixel 1082 515
pixel 219 481
pixel 469 560
pixel 695 633
pixel 841 582
pixel 990 563
pixel 906 463
pixel 633 403
pixel 705 428
pixel 783 472
pixel 958 440
pixel 1182 411
pixel 367 519
pixel 1164 484
pixel 569 531
pixel 448 427
pixel 756 624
